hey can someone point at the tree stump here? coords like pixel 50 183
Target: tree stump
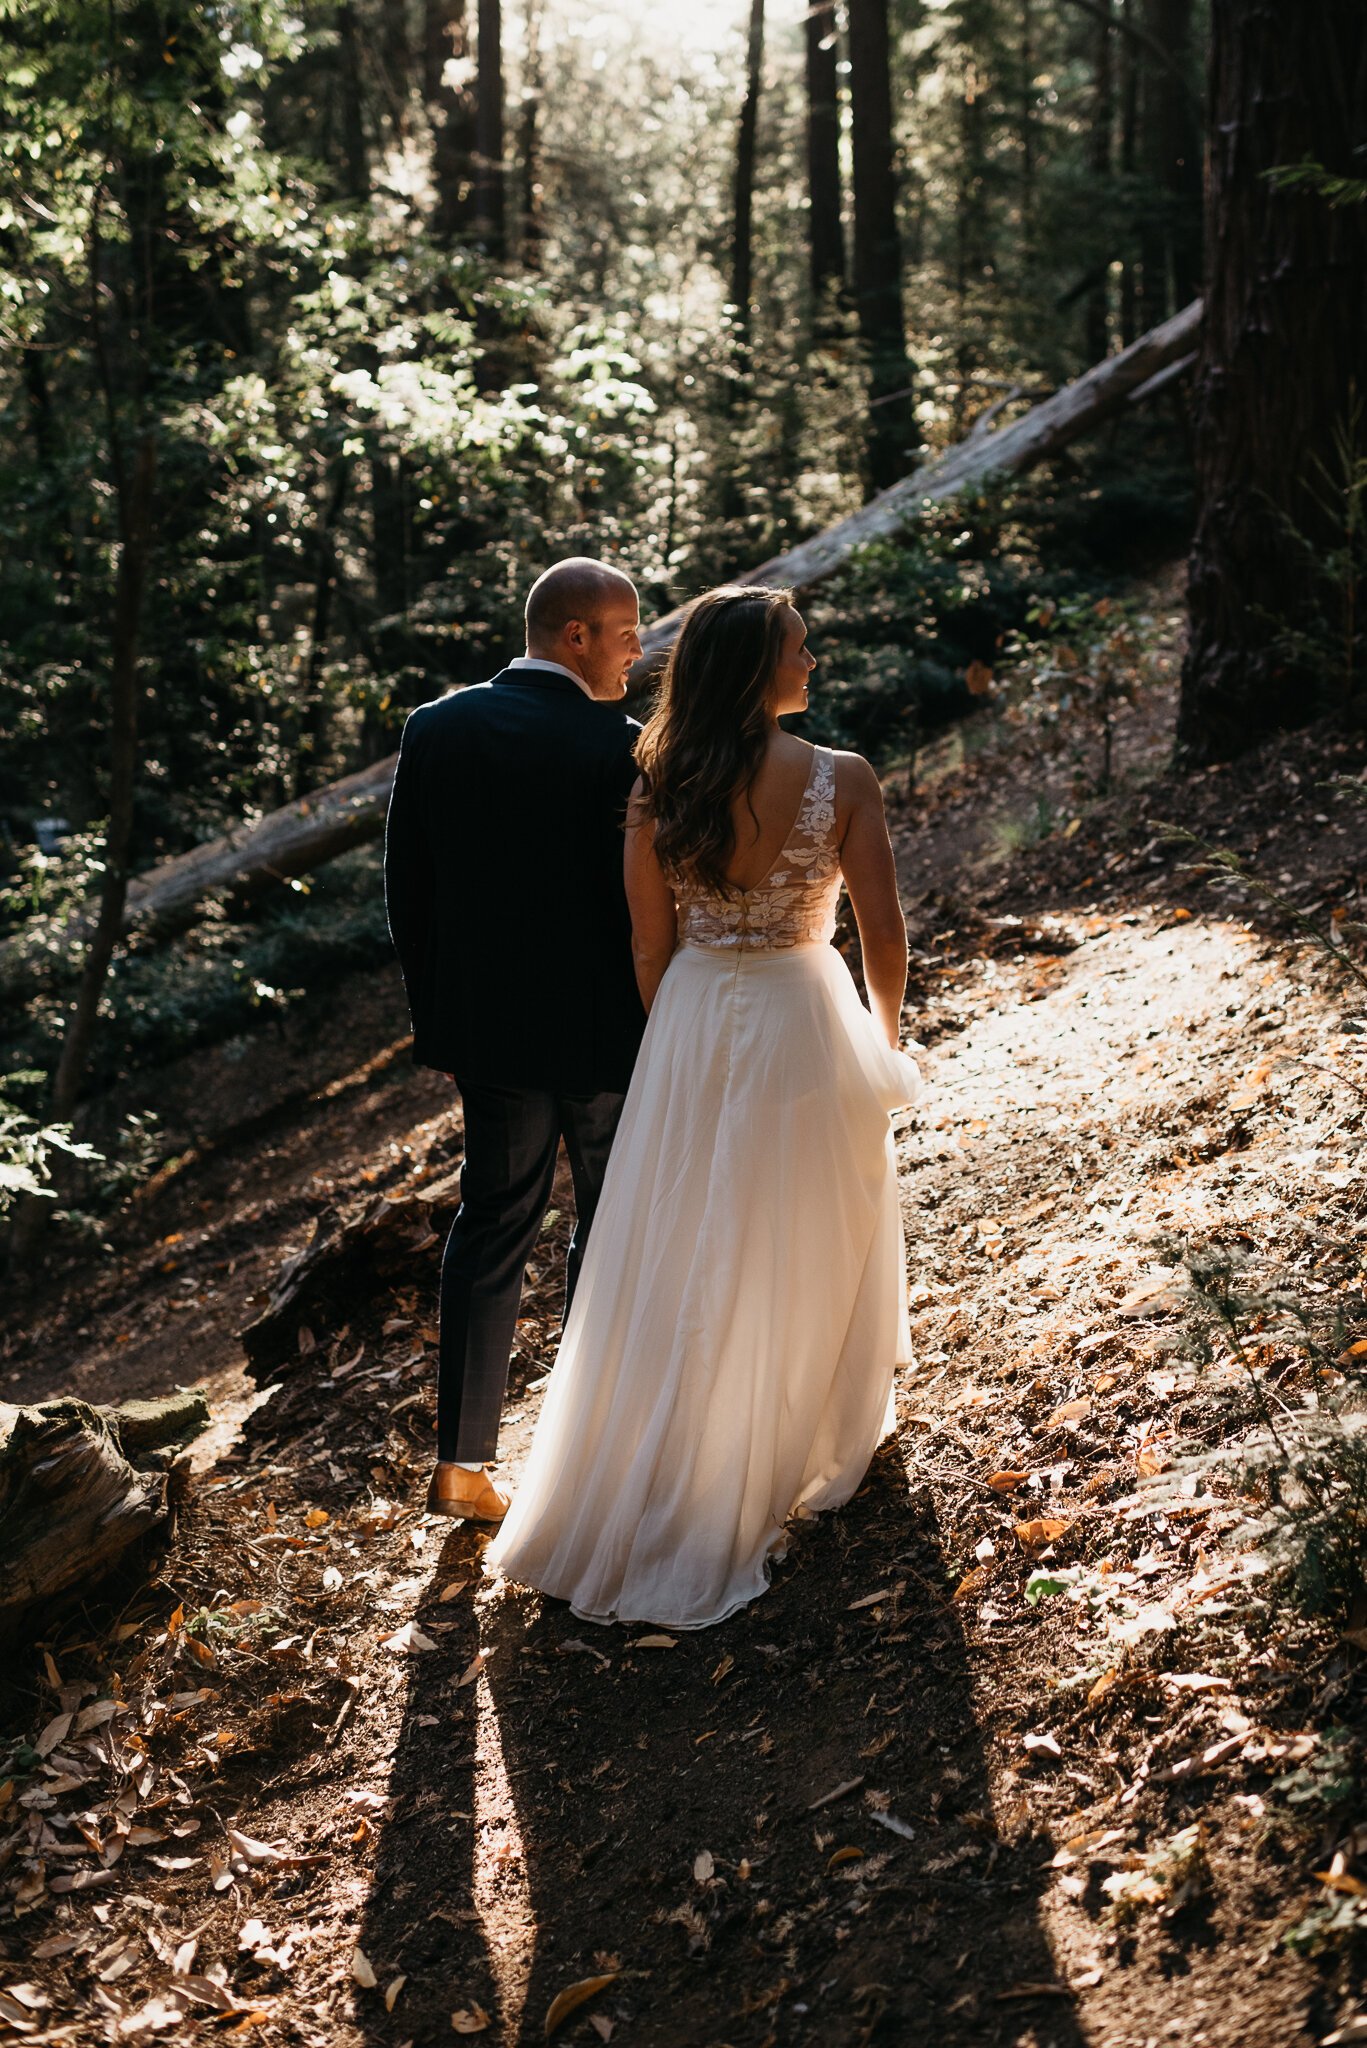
pixel 72 1499
pixel 342 1268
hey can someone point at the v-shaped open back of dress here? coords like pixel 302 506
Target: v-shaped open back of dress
pixel 729 1358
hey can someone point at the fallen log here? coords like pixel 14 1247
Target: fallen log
pixel 78 1485
pixel 304 835
pixel 1008 451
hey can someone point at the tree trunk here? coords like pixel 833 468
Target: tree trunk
pixel 1281 354
pixel 355 156
pixel 1027 130
pixel 313 722
pixel 135 543
pixel 451 107
pixel 1129 138
pixel 1174 152
pixel 307 834
pixel 490 222
pixel 396 55
pixel 531 225
pixel 892 431
pixel 825 227
pixel 1099 164
pixel 78 1485
pixel 742 234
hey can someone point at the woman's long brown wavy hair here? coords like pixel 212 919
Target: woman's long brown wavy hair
pixel 703 743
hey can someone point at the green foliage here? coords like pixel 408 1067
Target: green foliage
pixel 27 1145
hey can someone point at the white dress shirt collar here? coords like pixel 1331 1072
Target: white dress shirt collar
pixel 537 661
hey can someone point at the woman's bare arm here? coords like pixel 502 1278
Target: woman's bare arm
pixel 871 877
pixel 654 924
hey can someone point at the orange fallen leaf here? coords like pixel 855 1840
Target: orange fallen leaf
pixel 847 1855
pixel 1007 1482
pixel 573 1996
pixel 1039 1532
pixel 471 2019
pixel 1070 1411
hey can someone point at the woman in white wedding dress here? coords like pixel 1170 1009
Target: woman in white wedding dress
pixel 728 1361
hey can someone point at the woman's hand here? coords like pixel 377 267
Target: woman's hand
pixel 871 878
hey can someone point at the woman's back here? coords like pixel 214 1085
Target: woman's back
pixel 764 816
pixel 786 876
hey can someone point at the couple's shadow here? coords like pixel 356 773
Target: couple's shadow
pixel 779 1830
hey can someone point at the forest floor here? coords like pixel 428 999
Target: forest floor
pixel 321 1779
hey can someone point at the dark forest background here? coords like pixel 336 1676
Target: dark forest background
pixel 326 327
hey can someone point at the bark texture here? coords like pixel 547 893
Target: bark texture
pixel 1282 350
pixel 825 229
pixel 490 198
pixel 742 240
pixel 74 1493
pixel 892 431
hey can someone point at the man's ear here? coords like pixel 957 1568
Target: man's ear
pixel 577 633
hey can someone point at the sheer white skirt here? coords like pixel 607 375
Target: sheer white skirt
pixel 729 1358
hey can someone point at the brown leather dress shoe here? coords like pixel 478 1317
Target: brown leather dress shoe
pixel 466 1496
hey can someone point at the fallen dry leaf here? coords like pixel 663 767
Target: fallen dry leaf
pixel 849 1854
pixel 572 1997
pixel 1043 1746
pixel 1040 1532
pixel 392 1990
pixel 472 1669
pixel 651 1643
pixel 703 1866
pixel 54 1733
pixel 408 1640
pixel 1070 1411
pixel 1007 1482
pixel 363 1970
pixel 471 2019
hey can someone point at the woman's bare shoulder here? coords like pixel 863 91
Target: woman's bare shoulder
pixel 856 779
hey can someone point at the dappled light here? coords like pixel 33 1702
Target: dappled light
pixel 592 1448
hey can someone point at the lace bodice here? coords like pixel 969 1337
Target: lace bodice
pixel 794 905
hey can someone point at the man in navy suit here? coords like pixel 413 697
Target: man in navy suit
pixel 503 883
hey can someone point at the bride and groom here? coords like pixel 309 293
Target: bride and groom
pixel 622 937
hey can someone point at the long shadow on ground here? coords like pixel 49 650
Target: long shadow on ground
pixel 777 1831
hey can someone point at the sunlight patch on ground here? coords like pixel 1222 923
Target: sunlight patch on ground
pixel 501 1893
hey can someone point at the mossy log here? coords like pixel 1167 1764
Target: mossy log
pixel 78 1485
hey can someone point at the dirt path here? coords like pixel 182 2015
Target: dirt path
pixel 896 1800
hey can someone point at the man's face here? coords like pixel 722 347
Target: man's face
pixel 608 646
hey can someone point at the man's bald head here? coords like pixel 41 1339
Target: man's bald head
pixel 585 615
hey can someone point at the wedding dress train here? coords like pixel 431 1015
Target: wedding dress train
pixel 728 1361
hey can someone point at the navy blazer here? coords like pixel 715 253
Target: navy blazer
pixel 503 885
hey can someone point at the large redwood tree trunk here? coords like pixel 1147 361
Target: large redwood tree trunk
pixel 825 230
pixel 1282 349
pixel 743 233
pixel 490 199
pixel 892 435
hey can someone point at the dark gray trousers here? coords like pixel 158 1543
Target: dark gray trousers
pixel 512 1137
